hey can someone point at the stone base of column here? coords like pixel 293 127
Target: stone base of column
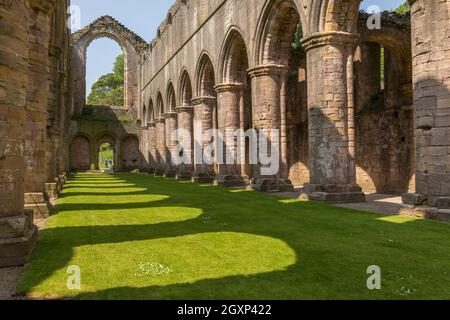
pixel 18 239
pixel 184 175
pixel 52 191
pixel 159 172
pixel 416 205
pixel 333 193
pixel 272 184
pixel 202 178
pixel 39 204
pixel 170 173
pixel 229 181
pixel 151 171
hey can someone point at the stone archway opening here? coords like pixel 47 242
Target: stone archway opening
pixel 80 154
pixel 106 158
pixel 106 149
pixel 131 44
pixel 281 72
pixel 107 89
pixel 131 154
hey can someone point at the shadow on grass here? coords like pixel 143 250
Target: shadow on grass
pixel 334 246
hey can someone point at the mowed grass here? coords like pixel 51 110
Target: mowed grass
pixel 135 236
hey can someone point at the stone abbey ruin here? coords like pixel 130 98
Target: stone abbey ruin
pixel 358 110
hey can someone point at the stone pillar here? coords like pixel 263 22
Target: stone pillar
pixel 145 147
pixel 18 235
pixel 228 109
pixel 331 121
pixel 186 122
pixel 37 141
pixel 203 121
pixel 171 127
pixel 268 90
pixel 152 147
pixel 160 143
pixel 431 74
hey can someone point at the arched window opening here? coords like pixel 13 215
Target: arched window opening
pixel 105 77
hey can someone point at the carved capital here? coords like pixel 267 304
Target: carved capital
pixel 170 115
pixel 229 87
pixel 330 38
pixel 160 120
pixel 267 70
pixel 203 100
pixel 183 109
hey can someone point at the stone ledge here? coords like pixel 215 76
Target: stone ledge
pixel 17 251
pixel 271 184
pixel 229 181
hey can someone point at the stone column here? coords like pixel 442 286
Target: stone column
pixel 331 123
pixel 37 141
pixel 18 235
pixel 160 143
pixel 152 147
pixel 268 90
pixel 228 109
pixel 145 147
pixel 171 127
pixel 431 74
pixel 186 122
pixel 203 121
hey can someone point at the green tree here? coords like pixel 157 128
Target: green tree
pixel 109 89
pixel 404 8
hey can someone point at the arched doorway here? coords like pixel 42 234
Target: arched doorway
pixel 106 151
pixel 131 155
pixel 80 156
pixel 106 159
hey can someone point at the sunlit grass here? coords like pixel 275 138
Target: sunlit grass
pixel 141 237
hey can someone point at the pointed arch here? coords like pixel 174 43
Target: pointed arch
pixel 159 106
pixel 234 61
pixel 275 33
pixel 185 85
pixel 150 112
pixel 171 98
pixel 205 77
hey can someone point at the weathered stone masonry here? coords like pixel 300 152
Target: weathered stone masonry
pixel 32 116
pixel 345 127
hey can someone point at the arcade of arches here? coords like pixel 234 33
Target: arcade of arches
pixel 358 110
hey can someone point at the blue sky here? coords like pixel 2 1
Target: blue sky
pixel 143 17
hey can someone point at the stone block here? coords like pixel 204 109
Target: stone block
pixel 33 198
pixel 415 199
pixel 443 203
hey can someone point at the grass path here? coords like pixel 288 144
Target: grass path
pixel 135 236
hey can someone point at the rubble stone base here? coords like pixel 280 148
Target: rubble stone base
pixel 272 184
pixel 19 239
pixel 333 193
pixel 230 181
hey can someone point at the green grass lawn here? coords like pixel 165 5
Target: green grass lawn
pixel 135 236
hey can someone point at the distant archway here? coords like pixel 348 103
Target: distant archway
pixel 131 44
pixel 80 155
pixel 131 155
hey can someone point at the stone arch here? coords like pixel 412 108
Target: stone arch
pixel 150 112
pixel 171 98
pixel 131 154
pixel 333 15
pixel 105 137
pixel 131 44
pixel 205 77
pixel 275 32
pixel 80 153
pixel 145 116
pixel 185 85
pixel 159 113
pixel 234 61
